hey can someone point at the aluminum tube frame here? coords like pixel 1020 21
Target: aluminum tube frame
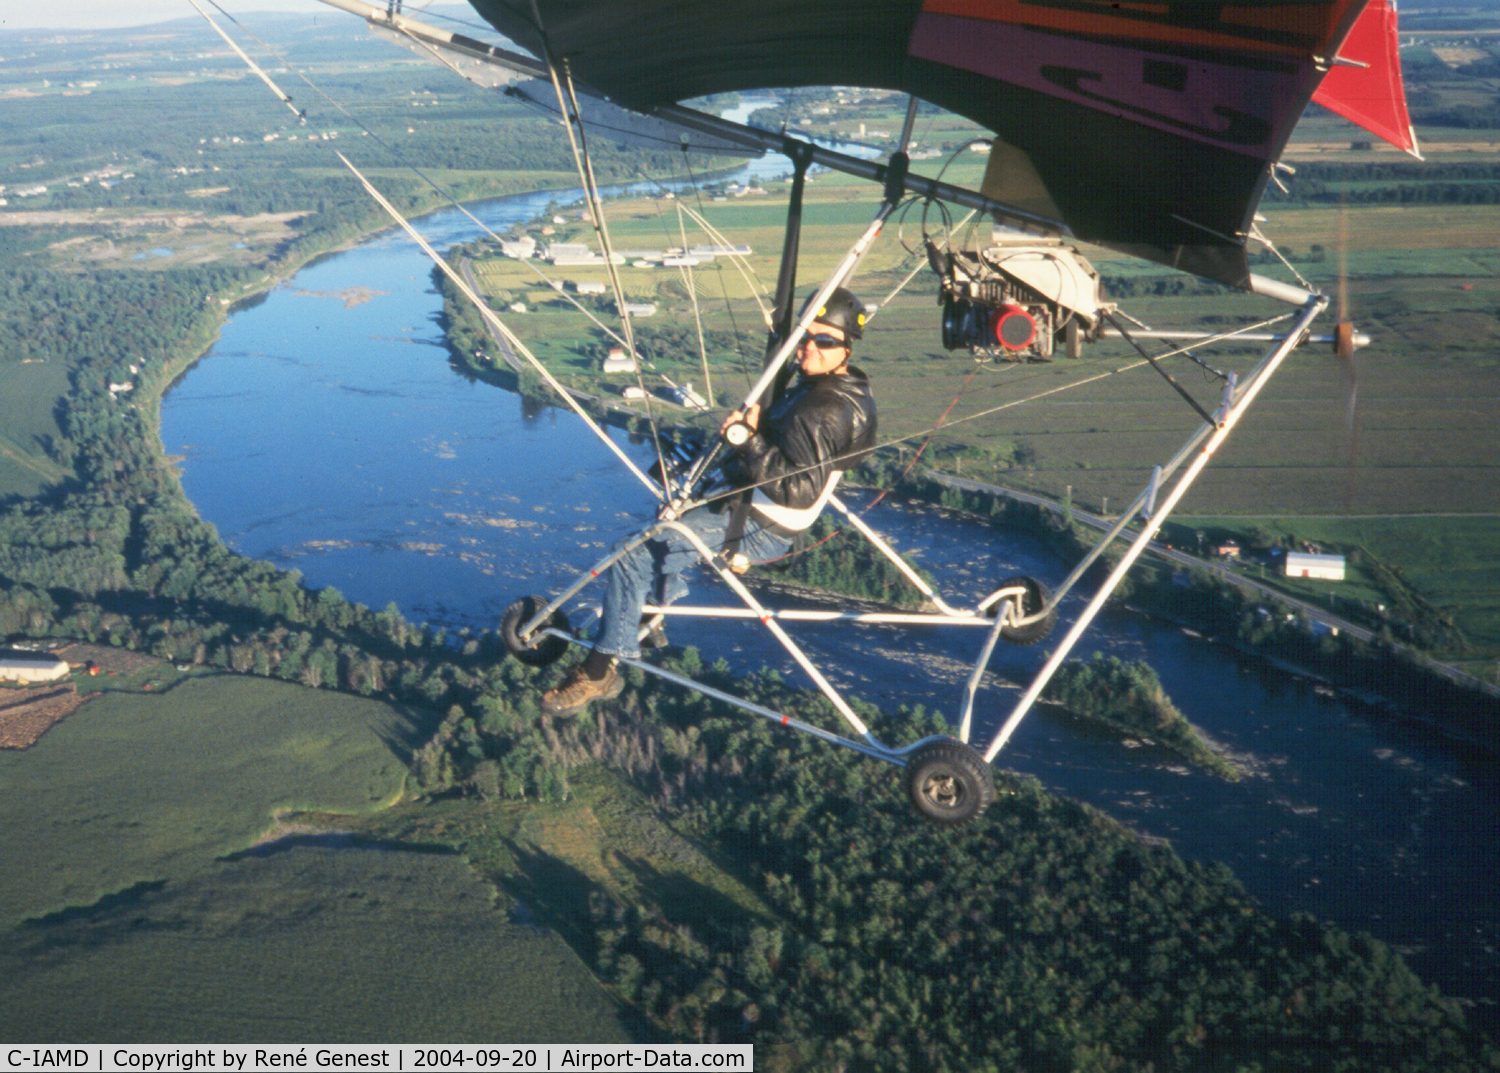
pixel 769 621
pixel 971 687
pixel 871 747
pixel 1234 411
pixel 890 553
pixel 1360 339
pixel 947 611
pixel 869 618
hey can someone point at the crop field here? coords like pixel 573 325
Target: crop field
pixel 1425 395
pixel 29 393
pixel 318 940
pixel 174 891
pixel 144 786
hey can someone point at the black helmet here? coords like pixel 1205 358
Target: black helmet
pixel 843 311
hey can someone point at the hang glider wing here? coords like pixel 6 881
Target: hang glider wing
pixel 1145 126
pixel 1365 86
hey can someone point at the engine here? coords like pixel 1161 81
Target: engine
pixel 1018 300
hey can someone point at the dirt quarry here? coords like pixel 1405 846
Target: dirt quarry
pixel 160 239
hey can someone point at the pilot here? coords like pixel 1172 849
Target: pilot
pixel 791 457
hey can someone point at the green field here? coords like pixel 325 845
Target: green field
pixel 137 787
pixel 316 943
pixel 144 913
pixel 29 393
pixel 1403 440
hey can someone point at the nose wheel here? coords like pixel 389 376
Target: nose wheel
pixel 1034 600
pixel 949 783
pixel 535 649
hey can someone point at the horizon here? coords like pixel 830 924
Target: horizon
pixel 37 15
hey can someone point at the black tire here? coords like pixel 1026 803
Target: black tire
pixel 1073 339
pixel 1036 598
pixel 537 653
pixel 949 783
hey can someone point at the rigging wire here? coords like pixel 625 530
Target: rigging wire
pixel 755 287
pixel 300 113
pixel 495 323
pixel 692 289
pixel 1260 236
pixel 490 316
pixel 579 145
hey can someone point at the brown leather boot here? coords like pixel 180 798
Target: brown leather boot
pixel 578 690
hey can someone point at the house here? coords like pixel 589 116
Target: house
pixel 521 248
pixel 1324 567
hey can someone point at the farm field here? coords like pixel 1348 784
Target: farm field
pixel 255 747
pixel 159 822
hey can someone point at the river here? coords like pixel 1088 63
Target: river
pixel 327 432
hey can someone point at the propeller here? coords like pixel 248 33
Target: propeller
pixel 1343 349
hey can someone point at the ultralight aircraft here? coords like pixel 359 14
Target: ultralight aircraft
pixel 1151 128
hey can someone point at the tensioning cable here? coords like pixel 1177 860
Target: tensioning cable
pixel 485 311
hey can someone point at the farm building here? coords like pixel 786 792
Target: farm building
pixel 1325 567
pixel 618 361
pixel 25 665
pixel 686 396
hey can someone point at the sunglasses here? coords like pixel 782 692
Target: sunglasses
pixel 824 342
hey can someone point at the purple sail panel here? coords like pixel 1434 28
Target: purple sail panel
pixel 1243 104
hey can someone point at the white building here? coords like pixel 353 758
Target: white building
pixel 521 248
pixel 1323 567
pixel 618 361
pixel 24 665
pixel 686 396
pixel 589 287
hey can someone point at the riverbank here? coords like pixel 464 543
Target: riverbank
pixel 1193 594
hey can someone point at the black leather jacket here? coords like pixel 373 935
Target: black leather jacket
pixel 821 424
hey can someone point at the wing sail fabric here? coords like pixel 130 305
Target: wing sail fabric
pixel 1370 93
pixel 1151 127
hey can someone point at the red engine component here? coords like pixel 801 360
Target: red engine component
pixel 1013 327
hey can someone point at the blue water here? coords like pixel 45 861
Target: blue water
pixel 337 440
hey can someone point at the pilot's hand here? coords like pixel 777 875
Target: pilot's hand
pixel 738 426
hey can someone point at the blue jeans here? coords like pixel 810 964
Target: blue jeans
pixel 653 570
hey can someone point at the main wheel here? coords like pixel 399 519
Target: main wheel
pixel 949 783
pixel 538 651
pixel 1072 339
pixel 1035 599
